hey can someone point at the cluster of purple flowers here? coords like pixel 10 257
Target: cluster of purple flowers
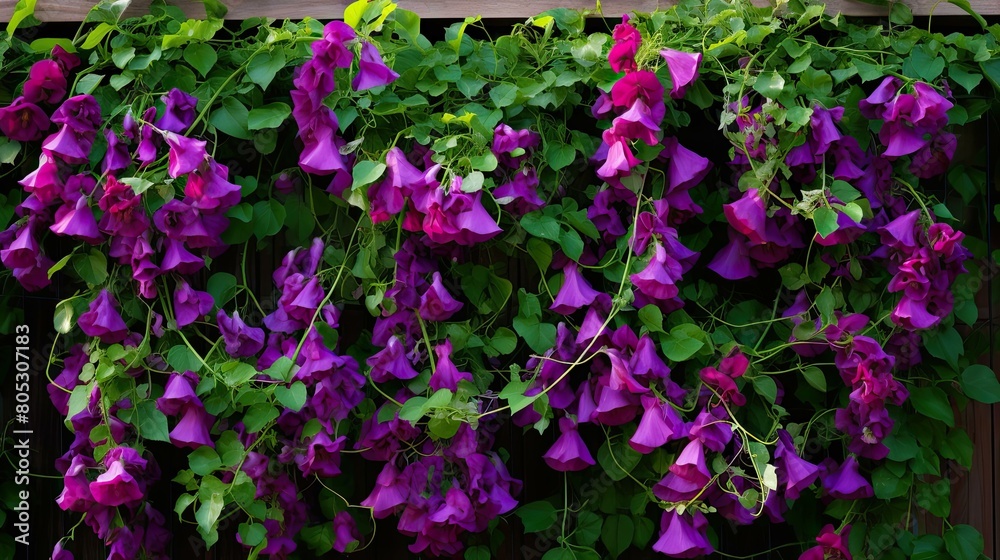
pixel 315 80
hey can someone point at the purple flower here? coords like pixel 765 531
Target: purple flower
pixel 733 261
pixel 345 532
pixel 322 456
pixel 241 340
pixel 336 35
pixel 320 151
pixel 619 162
pixel 103 320
pixel 683 68
pixel 935 157
pixel 748 216
pixel 846 483
pixel 831 545
pixel 176 258
pixel 190 304
pixel 660 423
pixel 208 188
pixel 23 121
pixel 569 452
pixel 46 82
pixel 506 140
pixel 372 71
pixel 797 473
pixel 116 486
pixel 179 393
pixel 683 536
pixel 186 154
pixel 117 157
pixel 636 124
pixel 390 492
pixel 520 194
pixel 179 113
pixel 70 144
pixel 436 304
pixel 575 291
pixel 192 430
pixel 658 281
pixel 446 375
pixel 391 363
pixel 60 553
pixel 687 477
pixel 76 495
pixel 23 249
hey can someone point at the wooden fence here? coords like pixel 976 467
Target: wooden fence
pixel 75 10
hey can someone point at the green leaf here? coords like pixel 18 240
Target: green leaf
pixel 62 321
pixel 151 422
pixel 92 267
pixel 932 402
pixel 814 377
pixel 540 252
pixel 182 359
pixel 503 95
pixel 887 485
pixel 825 220
pixel 537 516
pixel 945 344
pixel 617 534
pixel 204 460
pixel 571 243
pixel 652 317
pixel 292 397
pixel 222 286
pixel 269 216
pixel 559 155
pixel 679 345
pixel 88 83
pixel 968 80
pixel 268 116
pixel 980 384
pixel 201 56
pixel 844 191
pixel 618 459
pixel 588 528
pixel 963 542
pixel 769 84
pixel 541 225
pixel 22 10
pixel 258 416
pixel 264 66
pixel 765 387
pixel 366 172
pixel 231 118
pixel 504 340
pixel 252 534
pixel 559 554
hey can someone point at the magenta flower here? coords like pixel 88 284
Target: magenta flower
pixel 185 155
pixel 176 258
pixel 60 553
pixel 660 423
pixel 46 82
pixel 190 304
pixel 643 85
pixel 575 291
pixel 116 486
pixel 390 492
pixel 391 363
pixel 683 535
pixel 103 320
pixel 658 281
pixel 520 194
pixel 372 71
pixel 436 304
pixel 506 140
pixel 23 250
pixel 322 456
pixel 76 495
pixel 81 112
pixel 846 483
pixel 320 151
pixel 569 452
pixel 345 532
pixel 179 393
pixel 117 157
pixel 123 211
pixel 336 35
pixel 831 545
pixel 683 68
pixel 446 375
pixel 192 430
pixel 733 261
pixel 636 124
pixel 70 144
pixel 795 472
pixel 179 112
pixel 208 188
pixel 748 216
pixel 23 121
pixel 241 340
pixel 935 157
pixel 619 162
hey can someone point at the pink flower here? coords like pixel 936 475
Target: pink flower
pixel 372 71
pixel 683 68
pixel 116 487
pixel 683 535
pixel 46 82
pixel 831 545
pixel 660 423
pixel 748 216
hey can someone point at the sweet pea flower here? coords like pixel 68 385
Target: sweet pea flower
pixel 748 215
pixel 831 545
pixel 23 121
pixel 643 85
pixel 117 157
pixel 60 553
pixel 23 250
pixel 192 430
pixel 116 486
pixel 846 483
pixel 446 375
pixel 190 304
pixel 69 144
pixel 185 155
pixel 345 532
pixel 179 112
pixel 796 473
pixel 658 280
pixel 390 492
pixel 519 195
pixel 391 363
pixel 683 68
pixel 569 452
pixel 436 304
pixel 733 261
pixel 76 495
pixel 372 71
pixel 683 535
pixel 660 423
pixel 322 456
pixel 103 320
pixel 46 82
pixel 208 188
pixel 241 340
pixel 575 292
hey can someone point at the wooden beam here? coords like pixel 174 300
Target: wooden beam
pixel 76 10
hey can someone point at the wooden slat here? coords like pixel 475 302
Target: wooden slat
pixel 75 10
